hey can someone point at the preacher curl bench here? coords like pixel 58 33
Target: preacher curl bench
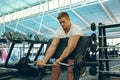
pixel 79 55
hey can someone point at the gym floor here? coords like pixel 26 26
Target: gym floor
pixel 115 66
pixel 63 76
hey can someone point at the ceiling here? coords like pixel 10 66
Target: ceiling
pixel 45 23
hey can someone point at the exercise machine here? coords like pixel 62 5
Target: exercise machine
pixel 79 56
pixel 6 73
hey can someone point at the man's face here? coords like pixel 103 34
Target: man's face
pixel 64 22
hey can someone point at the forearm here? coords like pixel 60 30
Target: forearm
pixel 72 43
pixel 50 52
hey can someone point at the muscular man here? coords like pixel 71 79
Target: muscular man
pixel 67 29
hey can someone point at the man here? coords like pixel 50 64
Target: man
pixel 67 29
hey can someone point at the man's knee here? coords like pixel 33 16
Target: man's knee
pixel 56 69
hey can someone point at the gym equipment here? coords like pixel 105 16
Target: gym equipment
pixel 41 39
pixel 13 37
pixel 78 54
pixel 94 37
pixel 93 27
pixel 6 73
pixel 101 59
pixel 80 61
pixel 63 43
pixel 103 52
pixel 24 65
pixel 42 70
pixel 93 48
pixel 93 70
pixel 25 68
pixel 79 65
pixel 113 52
pixel 3 40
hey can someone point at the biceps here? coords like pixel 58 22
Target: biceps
pixel 55 42
pixel 72 43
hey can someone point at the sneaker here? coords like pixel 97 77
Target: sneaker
pixel 83 71
pixel 83 74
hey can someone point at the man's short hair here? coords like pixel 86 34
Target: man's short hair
pixel 63 14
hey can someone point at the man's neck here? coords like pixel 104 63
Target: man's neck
pixel 67 29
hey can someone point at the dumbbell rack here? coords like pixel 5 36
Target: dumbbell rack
pixel 103 52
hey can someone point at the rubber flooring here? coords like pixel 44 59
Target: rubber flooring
pixel 115 66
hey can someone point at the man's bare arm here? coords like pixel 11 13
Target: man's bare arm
pixel 72 43
pixel 51 50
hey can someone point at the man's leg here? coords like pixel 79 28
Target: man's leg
pixel 70 70
pixel 56 72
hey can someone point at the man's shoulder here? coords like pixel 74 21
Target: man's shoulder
pixel 59 31
pixel 75 26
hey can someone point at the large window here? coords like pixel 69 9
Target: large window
pixel 46 6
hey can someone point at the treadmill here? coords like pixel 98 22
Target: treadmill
pixel 6 73
pixel 14 38
pixel 30 69
pixel 17 38
pixel 27 70
pixel 40 39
